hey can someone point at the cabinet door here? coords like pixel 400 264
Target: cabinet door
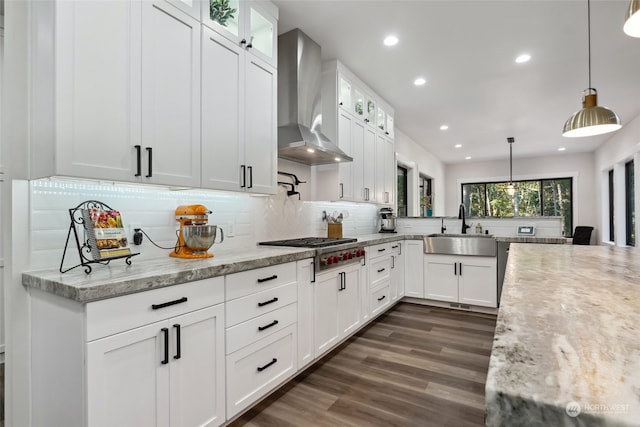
pixel 197 368
pixel 478 282
pixel 226 18
pixel 381 151
pixel 414 272
pixel 306 283
pixel 97 89
pixel 192 7
pixel 396 287
pixel 170 96
pixel 390 172
pixel 261 143
pixel 325 311
pixel 364 294
pixel 345 170
pixel 262 31
pixel 441 277
pixel 369 164
pixel 344 92
pixel 349 301
pixel 357 166
pixel 222 128
pixel 127 383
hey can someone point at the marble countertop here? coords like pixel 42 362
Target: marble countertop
pixel 118 279
pixel 566 351
pixel 533 239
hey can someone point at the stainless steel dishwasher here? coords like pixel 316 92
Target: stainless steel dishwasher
pixel 503 253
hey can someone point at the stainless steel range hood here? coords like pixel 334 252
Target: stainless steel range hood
pixel 300 136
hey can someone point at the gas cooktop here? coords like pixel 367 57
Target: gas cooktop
pixel 309 242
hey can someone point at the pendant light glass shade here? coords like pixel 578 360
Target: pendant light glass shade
pixel 591 119
pixel 512 188
pixel 632 19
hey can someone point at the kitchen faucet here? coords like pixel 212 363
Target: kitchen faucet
pixel 461 215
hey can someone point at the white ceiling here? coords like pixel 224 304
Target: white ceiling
pixel 466 51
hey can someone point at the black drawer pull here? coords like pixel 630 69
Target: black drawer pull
pixel 150 152
pixel 382 250
pixel 178 345
pixel 262 368
pixel 381 270
pixel 266 279
pixel 382 297
pixel 167 304
pixel 262 304
pixel 394 247
pixel 165 332
pixel 262 328
pixel 138 161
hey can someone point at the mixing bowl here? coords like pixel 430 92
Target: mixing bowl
pixel 200 238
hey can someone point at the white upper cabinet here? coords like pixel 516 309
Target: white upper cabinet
pixel 252 25
pixel 191 7
pixel 170 96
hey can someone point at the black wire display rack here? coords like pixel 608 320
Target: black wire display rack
pixel 88 251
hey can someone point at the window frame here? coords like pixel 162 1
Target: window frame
pixel 612 235
pixel 629 200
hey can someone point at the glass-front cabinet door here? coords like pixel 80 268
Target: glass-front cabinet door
pixel 370 116
pixel 358 103
pixel 224 16
pixel 390 126
pixel 381 123
pixel 262 37
pixel 344 97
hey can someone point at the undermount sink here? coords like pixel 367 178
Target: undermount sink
pixel 460 244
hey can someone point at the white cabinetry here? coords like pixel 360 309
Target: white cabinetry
pixel 383 276
pixel 239 145
pixel 396 288
pixel 159 361
pixel 336 306
pixel 261 333
pixel 306 283
pixel 413 271
pixel 458 279
pixel 385 170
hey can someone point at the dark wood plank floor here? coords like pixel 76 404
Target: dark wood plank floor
pixel 413 366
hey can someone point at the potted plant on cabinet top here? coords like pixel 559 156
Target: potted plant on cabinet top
pixel 220 11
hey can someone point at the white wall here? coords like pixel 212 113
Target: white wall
pixel 624 145
pixel 426 164
pixel 580 166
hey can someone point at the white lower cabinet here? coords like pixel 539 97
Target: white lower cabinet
pixel 413 269
pixel 461 279
pixel 306 285
pixel 169 373
pixel 336 306
pixel 397 273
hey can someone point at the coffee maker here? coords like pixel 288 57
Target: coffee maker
pixel 387 221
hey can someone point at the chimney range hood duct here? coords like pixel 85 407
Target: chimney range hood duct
pixel 300 136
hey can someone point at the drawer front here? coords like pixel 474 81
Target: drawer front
pixel 114 315
pixel 380 299
pixel 248 332
pixel 245 308
pixel 379 269
pixel 255 370
pixel 248 282
pixel 395 248
pixel 376 251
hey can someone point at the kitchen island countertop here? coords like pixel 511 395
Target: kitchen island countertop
pixel 566 350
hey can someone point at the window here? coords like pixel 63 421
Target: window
pixel 543 197
pixel 402 191
pixel 612 236
pixel 630 201
pixel 426 195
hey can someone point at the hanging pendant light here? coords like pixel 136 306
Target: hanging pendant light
pixel 591 119
pixel 632 19
pixel 512 188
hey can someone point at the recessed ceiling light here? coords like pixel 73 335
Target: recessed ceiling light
pixel 337 159
pixel 468 158
pixel 523 58
pixel 561 149
pixel 458 145
pixel 444 127
pixel 391 41
pixel 420 81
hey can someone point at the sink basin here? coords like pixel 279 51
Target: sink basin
pixel 460 244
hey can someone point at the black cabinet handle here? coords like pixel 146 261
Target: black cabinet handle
pixel 262 328
pixel 341 190
pixel 262 368
pixel 243 42
pixel 366 120
pixel 381 270
pixel 382 250
pixel 382 297
pixel 340 104
pixel 461 269
pixel 393 262
pixel 313 272
pixel 271 301
pixel 250 168
pixel 455 268
pixel 178 346
pixel 400 246
pixel 243 176
pixel 165 332
pixel 266 279
pixel 150 152
pixel 138 160
pixel 386 133
pixel 396 246
pixel 167 304
pixel 250 44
